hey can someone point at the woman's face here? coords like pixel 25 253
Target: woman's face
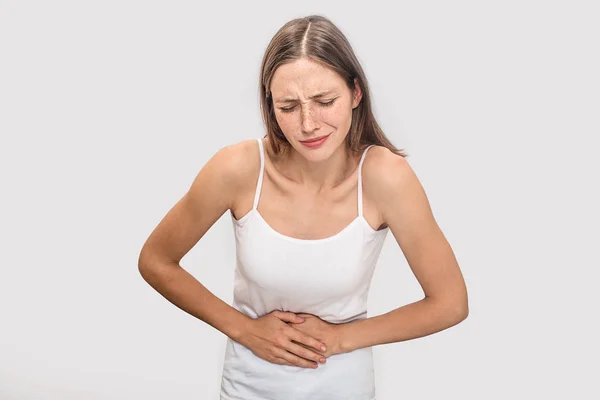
pixel 313 101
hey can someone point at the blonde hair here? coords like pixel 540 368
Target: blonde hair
pixel 316 38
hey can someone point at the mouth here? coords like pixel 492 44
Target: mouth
pixel 315 142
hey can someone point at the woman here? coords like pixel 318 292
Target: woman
pixel 311 204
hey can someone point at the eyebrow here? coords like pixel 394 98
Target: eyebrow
pixel 316 96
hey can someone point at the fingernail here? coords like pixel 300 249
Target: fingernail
pixel 322 361
pixel 323 348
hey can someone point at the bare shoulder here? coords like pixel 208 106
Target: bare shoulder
pixel 236 164
pixel 236 168
pixel 383 171
pixel 388 178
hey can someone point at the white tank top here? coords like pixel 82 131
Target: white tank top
pixel 327 277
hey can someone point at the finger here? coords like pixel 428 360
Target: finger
pixel 294 359
pixel 322 353
pixel 300 337
pixel 305 353
pixel 288 316
pixel 283 361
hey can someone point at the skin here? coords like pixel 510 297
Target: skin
pixel 302 118
pixel 392 195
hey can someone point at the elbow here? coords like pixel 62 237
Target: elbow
pixel 143 263
pixel 148 265
pixel 461 309
pixel 144 270
pixel 454 313
pixel 463 313
pixel 147 272
pixel 459 304
pixel 154 268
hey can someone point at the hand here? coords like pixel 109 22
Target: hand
pixel 272 339
pixel 325 332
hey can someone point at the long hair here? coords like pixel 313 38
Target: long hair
pixel 316 38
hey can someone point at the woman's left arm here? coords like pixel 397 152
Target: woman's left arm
pixel 395 190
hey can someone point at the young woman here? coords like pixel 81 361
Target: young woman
pixel 311 204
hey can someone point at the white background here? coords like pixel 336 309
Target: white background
pixel 109 109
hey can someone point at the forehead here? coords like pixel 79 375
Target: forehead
pixel 304 78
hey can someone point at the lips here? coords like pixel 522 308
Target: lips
pixel 313 140
pixel 315 143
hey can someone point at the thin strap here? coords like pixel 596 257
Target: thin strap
pixel 260 174
pixel 360 197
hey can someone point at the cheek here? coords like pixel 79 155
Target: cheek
pixel 334 116
pixel 339 117
pixel 285 122
pixel 340 111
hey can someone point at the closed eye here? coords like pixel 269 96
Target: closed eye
pixel 326 104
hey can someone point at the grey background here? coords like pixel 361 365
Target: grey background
pixel 109 109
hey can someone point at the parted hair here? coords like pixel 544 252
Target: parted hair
pixel 316 38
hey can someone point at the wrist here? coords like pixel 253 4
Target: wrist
pixel 243 330
pixel 342 344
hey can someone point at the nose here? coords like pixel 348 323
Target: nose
pixel 309 119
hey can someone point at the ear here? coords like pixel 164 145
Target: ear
pixel 356 94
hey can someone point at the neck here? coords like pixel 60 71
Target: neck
pixel 317 177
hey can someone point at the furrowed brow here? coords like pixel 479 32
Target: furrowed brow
pixel 316 96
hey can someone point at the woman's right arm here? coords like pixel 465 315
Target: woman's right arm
pixel 211 194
